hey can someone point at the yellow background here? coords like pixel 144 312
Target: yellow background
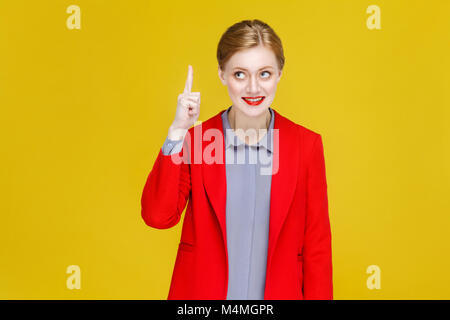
pixel 85 112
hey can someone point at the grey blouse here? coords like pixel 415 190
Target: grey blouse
pixel 248 174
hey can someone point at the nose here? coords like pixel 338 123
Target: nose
pixel 253 86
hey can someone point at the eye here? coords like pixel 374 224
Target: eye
pixel 238 73
pixel 266 72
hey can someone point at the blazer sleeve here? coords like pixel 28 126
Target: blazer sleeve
pixel 317 264
pixel 166 191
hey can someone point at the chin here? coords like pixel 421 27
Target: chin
pixel 253 111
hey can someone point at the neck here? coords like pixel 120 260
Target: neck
pixel 248 128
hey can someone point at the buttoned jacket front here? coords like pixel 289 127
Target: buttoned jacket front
pixel 299 259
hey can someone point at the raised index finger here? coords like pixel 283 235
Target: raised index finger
pixel 188 85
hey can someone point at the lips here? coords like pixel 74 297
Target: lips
pixel 253 101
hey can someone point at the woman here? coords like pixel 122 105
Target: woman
pixel 253 229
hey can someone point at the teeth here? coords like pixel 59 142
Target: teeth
pixel 253 100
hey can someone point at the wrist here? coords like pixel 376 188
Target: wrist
pixel 176 133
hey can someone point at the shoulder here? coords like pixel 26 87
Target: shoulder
pixel 305 136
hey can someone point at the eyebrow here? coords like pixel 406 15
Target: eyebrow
pixel 266 67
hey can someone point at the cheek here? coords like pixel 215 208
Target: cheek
pixel 234 88
pixel 271 87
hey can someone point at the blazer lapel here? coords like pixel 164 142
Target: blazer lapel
pixel 284 178
pixel 214 177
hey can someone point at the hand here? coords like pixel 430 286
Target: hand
pixel 188 109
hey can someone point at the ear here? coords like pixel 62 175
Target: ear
pixel 221 76
pixel 279 75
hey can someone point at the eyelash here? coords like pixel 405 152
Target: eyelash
pixel 243 72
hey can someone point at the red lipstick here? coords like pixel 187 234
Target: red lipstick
pixel 254 102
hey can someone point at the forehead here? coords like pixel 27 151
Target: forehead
pixel 253 59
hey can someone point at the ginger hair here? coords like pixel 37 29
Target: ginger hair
pixel 245 35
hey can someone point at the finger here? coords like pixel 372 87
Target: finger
pixel 188 84
pixel 190 101
pixel 193 98
pixel 191 106
pixel 193 112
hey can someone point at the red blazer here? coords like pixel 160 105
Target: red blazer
pixel 299 264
